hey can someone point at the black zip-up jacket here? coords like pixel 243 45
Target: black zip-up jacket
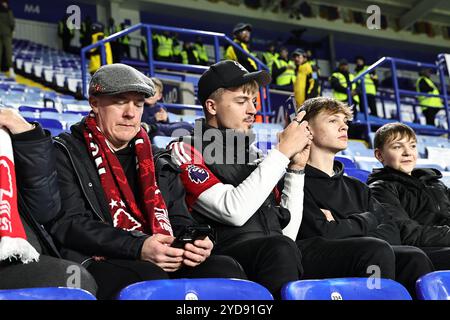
pixel 84 227
pixel 356 213
pixel 269 219
pixel 421 202
pixel 37 185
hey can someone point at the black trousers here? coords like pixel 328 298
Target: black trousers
pixel 270 261
pixel 439 256
pixel 430 115
pixel 47 272
pixel 337 258
pixel 352 257
pixel 112 275
pixel 371 101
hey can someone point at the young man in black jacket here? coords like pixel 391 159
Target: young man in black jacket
pixel 420 201
pixel 38 204
pixel 113 218
pixel 338 207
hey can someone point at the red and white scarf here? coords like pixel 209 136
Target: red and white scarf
pixel 124 210
pixel 13 240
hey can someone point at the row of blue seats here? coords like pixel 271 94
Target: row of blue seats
pixel 433 286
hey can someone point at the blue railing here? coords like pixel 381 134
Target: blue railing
pixel 152 63
pixel 393 63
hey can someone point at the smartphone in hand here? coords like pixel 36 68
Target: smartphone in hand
pixel 190 234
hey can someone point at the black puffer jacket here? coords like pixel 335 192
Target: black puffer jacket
pixel 422 204
pixel 37 184
pixel 84 227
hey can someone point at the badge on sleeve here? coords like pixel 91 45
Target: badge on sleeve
pixel 196 174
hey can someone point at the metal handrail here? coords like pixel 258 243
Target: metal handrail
pixel 393 62
pixel 264 92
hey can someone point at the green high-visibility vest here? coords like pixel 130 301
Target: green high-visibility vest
pixel 368 82
pixel 270 58
pixel 434 102
pixel 165 46
pixel 201 50
pixel 343 82
pixel 288 76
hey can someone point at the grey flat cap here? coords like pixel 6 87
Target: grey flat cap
pixel 119 78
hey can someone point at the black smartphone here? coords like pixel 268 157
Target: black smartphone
pixel 190 234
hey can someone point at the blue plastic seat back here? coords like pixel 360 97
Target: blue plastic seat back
pixel 347 161
pixel 46 294
pixel 195 289
pixel 359 174
pixel 345 289
pixel 434 286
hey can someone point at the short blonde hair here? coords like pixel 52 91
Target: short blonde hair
pixel 158 84
pixel 317 105
pixel 392 131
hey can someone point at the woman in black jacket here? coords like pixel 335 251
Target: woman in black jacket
pixel 38 204
pixel 420 201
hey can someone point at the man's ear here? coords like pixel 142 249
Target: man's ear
pixel 93 101
pixel 211 107
pixel 379 155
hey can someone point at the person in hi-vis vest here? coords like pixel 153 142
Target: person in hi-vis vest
pixel 340 81
pixel 283 71
pixel 430 105
pixel 370 84
pixel 98 34
pixel 163 46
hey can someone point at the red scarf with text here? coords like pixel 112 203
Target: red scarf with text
pixel 125 212
pixel 13 240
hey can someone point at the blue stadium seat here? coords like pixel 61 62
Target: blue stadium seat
pixel 54 126
pixel 359 174
pixel 434 286
pixel 46 294
pixel 195 289
pixel 367 163
pixel 344 289
pixel 162 141
pixel 347 161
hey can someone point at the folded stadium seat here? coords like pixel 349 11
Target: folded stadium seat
pixel 30 112
pixel 50 113
pixel 359 174
pixel 347 161
pixel 434 286
pixel 189 118
pixel 429 163
pixel 195 289
pixel 162 141
pixel 70 116
pixel 367 163
pixel 345 289
pixel 356 148
pixel 173 117
pixel 52 293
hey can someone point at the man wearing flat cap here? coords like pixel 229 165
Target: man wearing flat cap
pixel 113 217
pixel 241 34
